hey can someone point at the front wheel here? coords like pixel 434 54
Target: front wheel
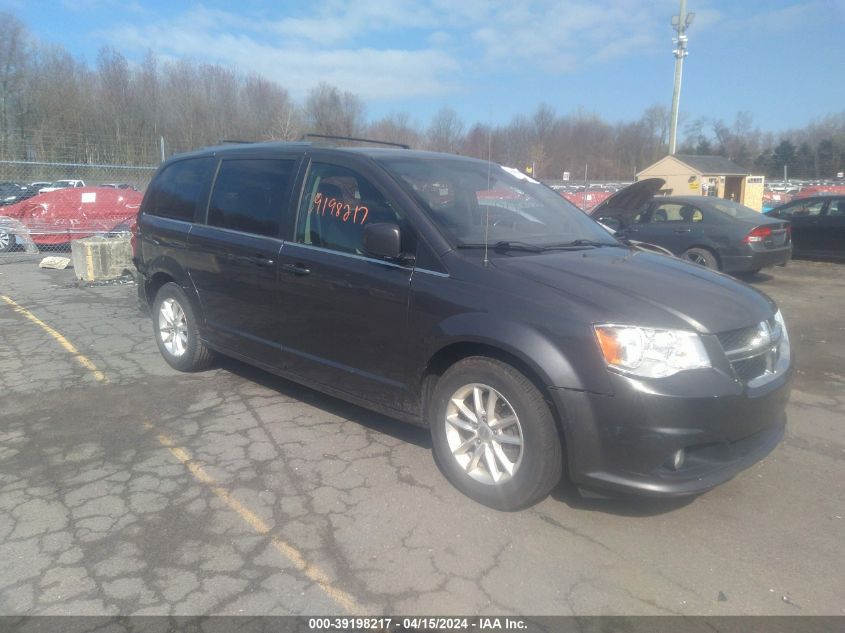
pixel 176 330
pixel 494 435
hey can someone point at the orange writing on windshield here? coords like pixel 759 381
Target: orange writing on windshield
pixel 338 209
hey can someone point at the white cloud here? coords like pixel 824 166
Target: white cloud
pixel 404 48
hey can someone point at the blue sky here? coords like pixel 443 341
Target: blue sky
pixel 781 60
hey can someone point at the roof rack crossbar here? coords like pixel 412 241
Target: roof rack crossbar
pixel 353 138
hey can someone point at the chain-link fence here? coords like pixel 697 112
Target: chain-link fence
pixel 45 206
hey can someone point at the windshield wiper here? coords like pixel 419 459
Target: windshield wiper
pixel 580 243
pixel 504 245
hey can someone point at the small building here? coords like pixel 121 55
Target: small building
pixel 718 176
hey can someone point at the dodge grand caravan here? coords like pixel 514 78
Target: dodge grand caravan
pixel 467 298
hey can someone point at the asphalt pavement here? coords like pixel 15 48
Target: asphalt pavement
pixel 129 488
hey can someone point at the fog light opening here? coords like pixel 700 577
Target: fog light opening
pixel 678 459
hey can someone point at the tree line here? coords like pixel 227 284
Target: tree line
pixel 56 108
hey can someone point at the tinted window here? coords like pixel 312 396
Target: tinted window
pixel 251 195
pixel 337 204
pixel 175 193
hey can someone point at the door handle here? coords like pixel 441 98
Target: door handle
pixel 683 230
pixel 257 260
pixel 296 269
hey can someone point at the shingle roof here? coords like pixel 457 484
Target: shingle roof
pixel 712 165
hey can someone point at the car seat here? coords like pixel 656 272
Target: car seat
pixel 687 213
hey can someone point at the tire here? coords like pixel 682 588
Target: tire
pixel 462 449
pixel 7 241
pixel 702 257
pixel 176 330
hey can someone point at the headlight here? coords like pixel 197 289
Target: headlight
pixel 650 353
pixel 784 337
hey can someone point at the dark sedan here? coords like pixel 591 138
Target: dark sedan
pixel 713 232
pixel 818 225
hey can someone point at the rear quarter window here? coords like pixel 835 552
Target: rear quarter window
pixel 176 191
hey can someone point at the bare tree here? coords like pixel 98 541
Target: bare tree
pixel 395 128
pixel 14 59
pixel 445 132
pixel 330 111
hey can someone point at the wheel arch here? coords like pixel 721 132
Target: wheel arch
pixel 453 352
pixel 165 270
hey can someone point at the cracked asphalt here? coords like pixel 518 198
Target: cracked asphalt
pixel 236 492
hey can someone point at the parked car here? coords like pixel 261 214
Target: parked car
pixel 11 192
pixel 57 217
pixel 118 185
pixel 524 336
pixel 818 225
pixel 713 232
pixel 62 184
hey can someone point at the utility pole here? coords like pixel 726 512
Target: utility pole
pixel 680 23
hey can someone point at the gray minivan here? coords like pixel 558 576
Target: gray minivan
pixel 465 297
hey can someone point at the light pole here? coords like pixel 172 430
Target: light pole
pixel 680 23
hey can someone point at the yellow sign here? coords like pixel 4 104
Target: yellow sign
pixel 529 170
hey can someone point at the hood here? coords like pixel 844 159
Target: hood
pixel 632 198
pixel 615 285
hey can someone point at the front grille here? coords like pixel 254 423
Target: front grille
pixel 752 351
pixel 738 339
pixel 750 368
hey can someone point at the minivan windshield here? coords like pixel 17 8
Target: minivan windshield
pixel 476 203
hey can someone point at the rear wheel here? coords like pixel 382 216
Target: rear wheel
pixel 494 435
pixel 702 257
pixel 176 330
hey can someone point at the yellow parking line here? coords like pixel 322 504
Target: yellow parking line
pixel 312 572
pixel 69 347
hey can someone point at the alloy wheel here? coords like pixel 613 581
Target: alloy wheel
pixel 173 327
pixel 484 434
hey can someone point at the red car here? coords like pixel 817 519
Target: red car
pixel 57 217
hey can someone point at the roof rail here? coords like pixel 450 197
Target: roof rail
pixel 234 141
pixel 353 138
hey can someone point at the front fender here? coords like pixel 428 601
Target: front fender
pixel 546 354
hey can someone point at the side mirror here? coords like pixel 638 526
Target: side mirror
pixel 383 239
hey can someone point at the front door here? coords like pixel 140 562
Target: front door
pixel 346 313
pixel 807 230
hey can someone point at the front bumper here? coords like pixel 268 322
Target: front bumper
pixel 624 442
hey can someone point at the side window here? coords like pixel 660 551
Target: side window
pixel 251 195
pixel 674 212
pixel 336 206
pixel 837 207
pixel 176 192
pixel 802 208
